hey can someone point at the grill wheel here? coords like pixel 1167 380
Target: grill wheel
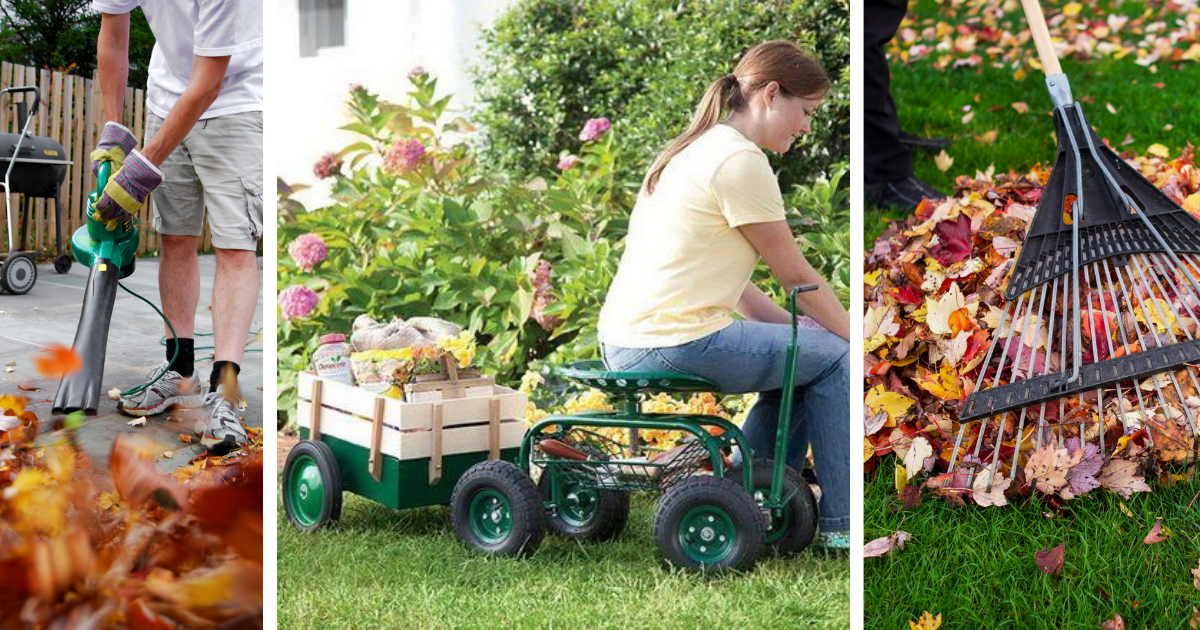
pixel 18 274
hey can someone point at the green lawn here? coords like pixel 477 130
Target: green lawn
pixel 930 103
pixel 386 568
pixel 976 566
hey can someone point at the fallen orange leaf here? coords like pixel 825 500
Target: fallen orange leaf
pixel 183 437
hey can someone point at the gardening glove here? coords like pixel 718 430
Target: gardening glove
pixel 127 191
pixel 116 141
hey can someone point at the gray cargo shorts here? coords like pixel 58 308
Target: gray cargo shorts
pixel 218 166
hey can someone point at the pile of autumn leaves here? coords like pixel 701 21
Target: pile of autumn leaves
pixel 933 292
pixel 967 33
pixel 162 555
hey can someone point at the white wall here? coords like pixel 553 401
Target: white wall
pixel 384 40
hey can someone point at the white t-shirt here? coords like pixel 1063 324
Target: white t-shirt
pixel 205 28
pixel 686 263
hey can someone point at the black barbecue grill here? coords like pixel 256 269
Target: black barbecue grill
pixel 33 166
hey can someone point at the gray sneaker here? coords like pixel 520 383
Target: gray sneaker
pixel 220 425
pixel 172 390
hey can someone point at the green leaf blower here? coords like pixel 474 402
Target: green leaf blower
pixel 111 254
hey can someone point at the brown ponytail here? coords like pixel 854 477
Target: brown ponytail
pixel 779 61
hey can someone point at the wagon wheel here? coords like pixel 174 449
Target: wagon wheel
pixel 709 523
pixel 62 263
pixel 496 508
pixel 312 486
pixel 589 513
pixel 791 529
pixel 18 274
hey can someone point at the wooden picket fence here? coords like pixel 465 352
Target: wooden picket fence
pixel 71 112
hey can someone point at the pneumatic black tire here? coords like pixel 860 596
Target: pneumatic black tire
pixel 606 523
pixel 507 484
pixel 801 523
pixel 705 493
pixel 331 476
pixel 18 273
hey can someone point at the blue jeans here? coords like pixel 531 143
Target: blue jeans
pixel 749 356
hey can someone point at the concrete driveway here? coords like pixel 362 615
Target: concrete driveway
pixel 49 314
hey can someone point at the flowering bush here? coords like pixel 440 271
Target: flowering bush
pixel 416 227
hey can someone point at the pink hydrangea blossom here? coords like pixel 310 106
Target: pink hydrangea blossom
pixel 542 298
pixel 540 277
pixel 308 250
pixel 327 166
pixel 297 301
pixel 594 128
pixel 547 322
pixel 404 156
pixel 568 162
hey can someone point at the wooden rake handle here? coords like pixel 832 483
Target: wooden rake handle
pixel 1041 37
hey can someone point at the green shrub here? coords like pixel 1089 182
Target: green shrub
pixel 549 65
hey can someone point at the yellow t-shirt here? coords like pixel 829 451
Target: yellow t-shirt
pixel 685 263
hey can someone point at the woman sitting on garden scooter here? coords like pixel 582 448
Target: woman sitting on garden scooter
pixel 709 208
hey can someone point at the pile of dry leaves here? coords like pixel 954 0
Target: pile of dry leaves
pixel 996 32
pixel 156 553
pixel 933 292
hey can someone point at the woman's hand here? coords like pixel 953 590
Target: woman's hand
pixel 777 246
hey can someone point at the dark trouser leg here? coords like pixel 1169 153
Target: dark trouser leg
pixel 885 159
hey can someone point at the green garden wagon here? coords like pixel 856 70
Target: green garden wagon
pixel 402 454
pixel 711 515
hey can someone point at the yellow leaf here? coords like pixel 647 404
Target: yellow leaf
pixel 901 478
pixel 1021 107
pixel 868 450
pixel 206 587
pixel 909 360
pixel 894 404
pixel 944 384
pixel 108 500
pixel 872 279
pixel 943 161
pixel 874 342
pixel 1158 150
pixel 1192 203
pixel 939 312
pixel 927 621
pixel 1125 510
pixel 61 462
pixel 1147 314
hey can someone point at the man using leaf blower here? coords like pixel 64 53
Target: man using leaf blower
pixel 203 152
